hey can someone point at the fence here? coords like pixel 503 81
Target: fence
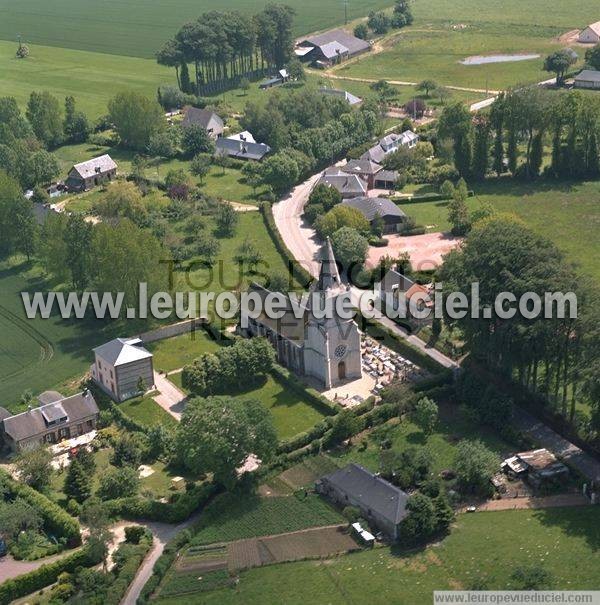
pixel 182 327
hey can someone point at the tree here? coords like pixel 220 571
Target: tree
pixel 415 108
pixel 171 55
pixel 34 467
pixel 592 57
pixel 18 516
pixel 41 167
pixel 200 166
pixel 350 247
pixel 475 465
pixel 222 160
pixel 443 93
pixel 78 482
pixel 78 240
pixel 248 254
pixel 122 200
pixel 226 219
pixel 425 415
pixel 163 144
pixel 341 216
pixel 325 196
pixel 245 85
pixel 216 435
pixel 455 123
pixel 345 425
pixel 559 63
pixel 280 171
pixel 136 119
pixel 421 521
pixel 533 577
pixel 361 31
pixel 458 213
pixel 481 148
pixel 12 203
pixel 22 51
pixel 402 14
pixel 76 125
pixel 127 451
pixel 296 70
pixel 377 225
pixel 44 115
pixel 40 195
pixel 195 139
pixel 379 22
pixel 118 483
pixel 427 86
pixel 385 90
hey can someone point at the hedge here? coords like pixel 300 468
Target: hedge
pixel 127 573
pixel 414 231
pixel 43 576
pixel 56 520
pixel 137 507
pixel 299 272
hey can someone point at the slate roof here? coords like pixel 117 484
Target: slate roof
pixel 242 149
pixel 343 38
pixel 341 94
pixel 393 278
pixel 201 117
pixel 34 422
pixel 333 49
pixel 369 207
pixel 49 397
pixel 387 175
pixel 344 183
pixel 120 351
pixel 99 165
pixel 588 75
pixel 595 27
pixel 362 166
pixel 371 491
pixel 4 413
pixel 375 154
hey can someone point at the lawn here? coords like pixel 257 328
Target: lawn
pixel 554 210
pixel 173 353
pixel 146 411
pixel 139 30
pixel 483 548
pixel 436 53
pixel 232 518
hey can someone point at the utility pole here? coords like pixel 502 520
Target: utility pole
pixel 345 12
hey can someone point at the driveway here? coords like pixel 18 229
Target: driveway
pixel 10 568
pixel 425 250
pixel 170 398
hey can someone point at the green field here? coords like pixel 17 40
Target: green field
pixel 231 518
pixel 139 29
pixel 146 411
pixel 484 548
pixel 173 353
pixel 436 54
pixel 566 213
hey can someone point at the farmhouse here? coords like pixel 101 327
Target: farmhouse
pixel 326 349
pixel 242 148
pixel 382 504
pixel 205 118
pixel 330 47
pixel 90 174
pixel 119 366
pixel 365 169
pixel 390 143
pixel 588 78
pixel 349 185
pixel 341 94
pixel 591 34
pixel 63 418
pixel 373 207
pixel 539 467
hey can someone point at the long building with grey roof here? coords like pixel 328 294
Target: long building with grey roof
pixel 330 47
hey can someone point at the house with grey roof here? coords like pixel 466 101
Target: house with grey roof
pixel 349 185
pixel 64 418
pixel 390 143
pixel 330 47
pixel 591 34
pixel 588 78
pixel 403 297
pixel 90 174
pixel 393 217
pixel 382 504
pixel 204 118
pixel 385 179
pixel 242 148
pixel 341 94
pixel 364 168
pixel 121 366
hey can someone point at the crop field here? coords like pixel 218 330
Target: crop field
pixel 436 53
pixel 483 549
pixel 137 28
pixel 229 518
pixel 555 210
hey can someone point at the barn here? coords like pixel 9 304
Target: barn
pixel 591 34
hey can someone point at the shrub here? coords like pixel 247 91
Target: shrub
pixel 134 533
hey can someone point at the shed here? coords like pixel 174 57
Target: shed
pixel 591 34
pixel 588 78
pixel 371 207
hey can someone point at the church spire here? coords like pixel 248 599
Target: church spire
pixel 329 276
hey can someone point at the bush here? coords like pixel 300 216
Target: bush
pixel 134 533
pixel 378 242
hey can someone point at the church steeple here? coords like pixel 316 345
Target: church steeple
pixel 329 276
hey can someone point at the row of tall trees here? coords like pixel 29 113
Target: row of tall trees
pixel 554 357
pixel 224 45
pixel 523 127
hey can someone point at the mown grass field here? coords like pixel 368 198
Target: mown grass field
pixel 484 548
pixel 566 213
pixel 417 54
pixel 173 353
pixel 139 28
pixel 232 518
pixel 146 411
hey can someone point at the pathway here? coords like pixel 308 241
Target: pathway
pixel 11 568
pixel 558 500
pixel 170 397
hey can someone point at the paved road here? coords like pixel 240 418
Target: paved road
pixel 542 434
pixel 170 398
pixel 304 244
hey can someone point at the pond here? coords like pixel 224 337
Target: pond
pixel 482 60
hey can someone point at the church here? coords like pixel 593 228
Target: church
pixel 326 349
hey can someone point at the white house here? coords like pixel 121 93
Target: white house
pixel 591 34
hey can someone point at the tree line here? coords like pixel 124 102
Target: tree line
pixel 223 45
pixel 523 127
